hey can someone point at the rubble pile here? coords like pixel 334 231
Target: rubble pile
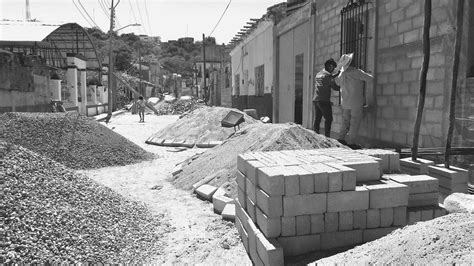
pixel 73 140
pixel 254 137
pixel 52 215
pixel 178 107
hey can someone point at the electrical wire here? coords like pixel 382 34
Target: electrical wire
pixel 104 9
pixel 147 17
pixel 141 18
pixel 228 4
pixel 85 18
pixel 133 12
pixel 87 13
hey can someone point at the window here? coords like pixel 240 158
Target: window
pixel 259 80
pixel 237 85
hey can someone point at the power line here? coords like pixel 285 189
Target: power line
pixel 85 18
pixel 104 9
pixel 228 4
pixel 87 13
pixel 147 18
pixel 133 12
pixel 141 18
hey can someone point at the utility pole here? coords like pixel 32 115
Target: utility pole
pixel 204 64
pixel 111 62
pixel 28 14
pixel 140 67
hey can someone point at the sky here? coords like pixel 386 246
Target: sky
pixel 169 19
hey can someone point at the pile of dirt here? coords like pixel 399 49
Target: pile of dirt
pixel 49 214
pixel 254 137
pixel 202 125
pixel 446 240
pixel 178 107
pixel 71 139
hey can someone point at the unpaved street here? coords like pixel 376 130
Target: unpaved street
pixel 194 233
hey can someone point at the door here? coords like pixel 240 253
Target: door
pixel 299 79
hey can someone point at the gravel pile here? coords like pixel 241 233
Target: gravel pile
pixel 49 214
pixel 75 141
pixel 178 107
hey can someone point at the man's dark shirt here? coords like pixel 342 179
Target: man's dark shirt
pixel 323 84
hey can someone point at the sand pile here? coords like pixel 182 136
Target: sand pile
pixel 178 107
pixel 75 141
pixel 446 240
pixel 49 214
pixel 254 137
pixel 201 126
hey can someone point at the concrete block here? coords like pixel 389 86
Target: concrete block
pixel 242 161
pixel 394 158
pixel 366 170
pixel 334 179
pixel 303 225
pixel 427 214
pixel 288 226
pixel 359 219
pixel 306 181
pixel 317 223
pixel 250 190
pixel 298 245
pixel 373 218
pixel 414 216
pixel 252 238
pixel 376 233
pixel 251 210
pixel 177 169
pixel 244 236
pixel 270 227
pixel 331 222
pixel 341 239
pixel 219 192
pixel 386 217
pixel 348 200
pixel 269 251
pixel 207 179
pixel 242 197
pixel 417 183
pixel 304 204
pixel 423 199
pixel 272 206
pixel 240 179
pixel 453 177
pixel 228 213
pixel 205 192
pixel 219 202
pixel 439 211
pixel 320 177
pixel 349 176
pixel 419 167
pixel 270 179
pixel 292 180
pixel 346 221
pixel 399 216
pixel 251 170
pixel 386 194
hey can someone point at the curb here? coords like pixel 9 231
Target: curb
pixel 101 117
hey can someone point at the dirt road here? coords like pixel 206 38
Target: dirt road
pixel 194 234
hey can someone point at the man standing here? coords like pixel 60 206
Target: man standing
pixel 351 80
pixel 324 82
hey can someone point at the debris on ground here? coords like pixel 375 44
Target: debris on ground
pixel 201 126
pixel 446 240
pixel 50 215
pixel 71 139
pixel 177 106
pixel 254 137
pixel 459 202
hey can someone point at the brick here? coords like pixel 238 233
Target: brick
pixel 386 194
pixel 244 236
pixel 334 180
pixel 373 218
pixel 269 251
pixel 341 239
pixel 359 219
pixel 251 170
pixel 346 221
pixel 252 239
pixel 306 182
pixel 376 233
pixel 417 183
pixel 250 190
pixel 317 223
pixel 219 202
pixel 423 199
pixel 331 222
pixel 270 227
pixel 304 204
pixel 439 211
pixel 348 200
pixel 419 167
pixel 349 176
pixel 386 217
pixel 242 197
pixel 455 175
pixel 240 179
pixel 320 177
pixel 298 245
pixel 414 216
pixel 205 192
pixel 288 226
pixel 270 179
pixel 394 159
pixel 366 171
pixel 292 180
pixel 272 206
pixel 427 214
pixel 303 225
pixel 399 216
pixel 242 161
pixel 228 213
pixel 251 210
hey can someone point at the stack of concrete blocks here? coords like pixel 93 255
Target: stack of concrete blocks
pixel 418 167
pixel 295 202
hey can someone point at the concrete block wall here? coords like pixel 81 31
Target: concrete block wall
pixel 294 202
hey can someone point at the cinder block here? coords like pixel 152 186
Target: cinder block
pixel 304 204
pixel 394 158
pixel 349 176
pixel 292 180
pixel 272 206
pixel 303 225
pixel 419 167
pixel 317 223
pixel 366 170
pixel 269 251
pixel 240 179
pixel 320 177
pixel 306 181
pixel 251 170
pixel 250 190
pixel 346 221
pixel 341 239
pixel 252 239
pixel 334 179
pixel 423 199
pixel 348 200
pixel 373 218
pixel 427 214
pixel 270 227
pixel 298 245
pixel 331 221
pixel 242 161
pixel 177 169
pixel 417 183
pixel 270 179
pixel 242 197
pixel 228 213
pixel 219 202
pixel 376 233
pixel 386 217
pixel 219 192
pixel 453 178
pixel 251 210
pixel 386 194
pixel 244 236
pixel 439 211
pixel 205 192
pixel 414 216
pixel 360 219
pixel 288 226
pixel 399 216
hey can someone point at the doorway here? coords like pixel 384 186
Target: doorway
pixel 299 75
